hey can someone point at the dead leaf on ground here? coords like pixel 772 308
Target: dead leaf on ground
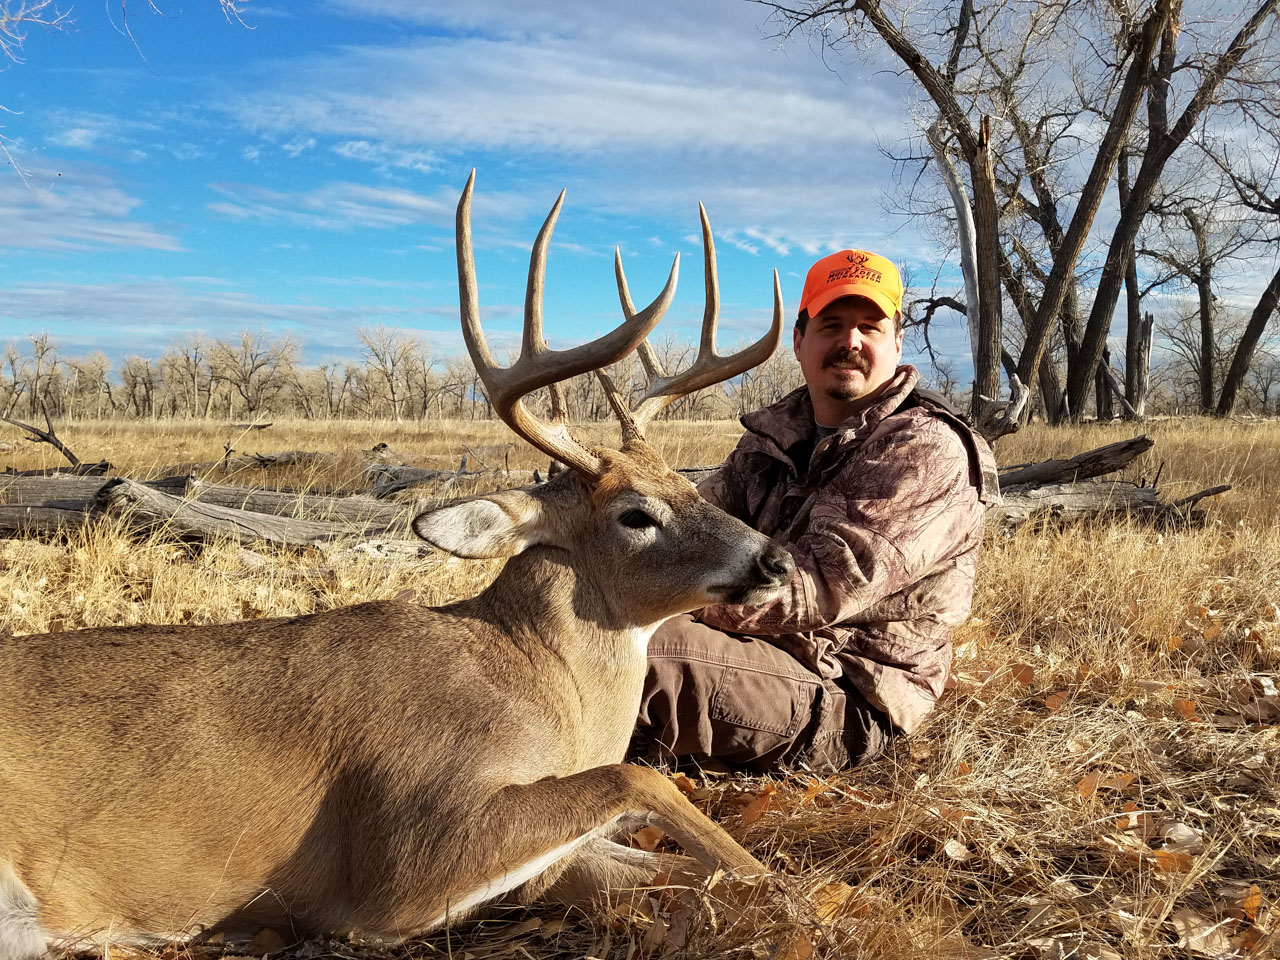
pixel 267 941
pixel 956 850
pixel 1023 673
pixel 647 838
pixel 1202 935
pixel 759 805
pixel 1186 708
pixel 1055 701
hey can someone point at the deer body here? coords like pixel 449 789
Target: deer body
pixel 379 769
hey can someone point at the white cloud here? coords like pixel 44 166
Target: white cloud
pixel 384 157
pixel 80 211
pixel 299 146
pixel 334 206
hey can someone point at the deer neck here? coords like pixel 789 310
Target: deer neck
pixel 543 597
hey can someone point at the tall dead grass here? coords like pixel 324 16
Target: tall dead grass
pixel 1099 782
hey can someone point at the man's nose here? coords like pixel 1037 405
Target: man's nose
pixel 850 338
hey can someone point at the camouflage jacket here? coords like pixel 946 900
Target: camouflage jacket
pixel 884 522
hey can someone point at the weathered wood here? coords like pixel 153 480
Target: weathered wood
pixel 152 510
pixel 1072 501
pixel 380 516
pixel 49 436
pixel 99 469
pixel 389 479
pixel 1084 466
pixel 67 491
pixel 26 520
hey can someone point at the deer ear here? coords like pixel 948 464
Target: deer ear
pixel 499 525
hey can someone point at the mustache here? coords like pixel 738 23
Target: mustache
pixel 845 355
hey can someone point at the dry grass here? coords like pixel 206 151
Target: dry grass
pixel 1096 781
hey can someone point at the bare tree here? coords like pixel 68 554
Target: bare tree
pixel 256 368
pixel 1056 127
pixel 389 355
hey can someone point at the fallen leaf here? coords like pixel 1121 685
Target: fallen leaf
pixel 1023 673
pixel 1252 902
pixel 684 784
pixel 1186 708
pixel 1117 782
pixel 963 769
pixel 1055 701
pixel 1170 861
pixel 1181 837
pixel 1201 934
pixel 646 838
pixel 267 941
pixel 799 949
pixel 1088 784
pixel 956 850
pixel 654 936
pixel 830 899
pixel 1213 631
pixel 759 806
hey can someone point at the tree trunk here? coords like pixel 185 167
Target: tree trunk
pixel 1248 345
pixel 1102 390
pixel 1137 347
pixel 1204 287
pixel 986 223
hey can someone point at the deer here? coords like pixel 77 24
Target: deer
pixel 385 769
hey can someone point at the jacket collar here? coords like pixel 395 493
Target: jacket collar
pixel 790 420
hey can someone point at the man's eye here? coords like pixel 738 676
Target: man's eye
pixel 637 520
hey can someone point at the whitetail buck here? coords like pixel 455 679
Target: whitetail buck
pixel 384 769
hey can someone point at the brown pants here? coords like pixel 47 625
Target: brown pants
pixel 745 702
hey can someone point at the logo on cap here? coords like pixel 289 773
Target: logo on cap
pixel 857 257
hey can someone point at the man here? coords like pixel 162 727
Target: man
pixel 878 490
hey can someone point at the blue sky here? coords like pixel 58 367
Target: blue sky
pixel 300 173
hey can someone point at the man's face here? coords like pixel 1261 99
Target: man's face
pixel 847 352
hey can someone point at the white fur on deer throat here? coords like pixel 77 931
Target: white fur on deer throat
pixel 640 636
pixel 525 872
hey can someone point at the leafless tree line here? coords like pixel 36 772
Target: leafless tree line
pixel 257 376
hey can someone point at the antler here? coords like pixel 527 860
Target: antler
pixel 539 365
pixel 709 367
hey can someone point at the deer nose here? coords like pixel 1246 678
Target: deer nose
pixel 775 563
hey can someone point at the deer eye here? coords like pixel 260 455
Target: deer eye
pixel 637 520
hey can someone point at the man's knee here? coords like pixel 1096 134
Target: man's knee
pixel 742 701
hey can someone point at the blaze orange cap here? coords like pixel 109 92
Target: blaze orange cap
pixel 853 273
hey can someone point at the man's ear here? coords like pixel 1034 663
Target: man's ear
pixel 498 525
pixel 796 337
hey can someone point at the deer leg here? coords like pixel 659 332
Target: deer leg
pixel 527 829
pixel 604 873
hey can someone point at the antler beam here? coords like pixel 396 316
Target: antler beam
pixel 539 365
pixel 709 367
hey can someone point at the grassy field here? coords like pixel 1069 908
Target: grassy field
pixel 1100 781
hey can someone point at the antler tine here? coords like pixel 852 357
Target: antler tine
pixel 533 342
pixel 652 367
pixel 539 366
pixel 709 367
pixel 711 283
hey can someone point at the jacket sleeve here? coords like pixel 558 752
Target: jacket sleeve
pixel 900 505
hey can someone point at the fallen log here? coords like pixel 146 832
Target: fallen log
pixel 372 515
pixel 1083 466
pixel 27 520
pixel 45 506
pixel 154 511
